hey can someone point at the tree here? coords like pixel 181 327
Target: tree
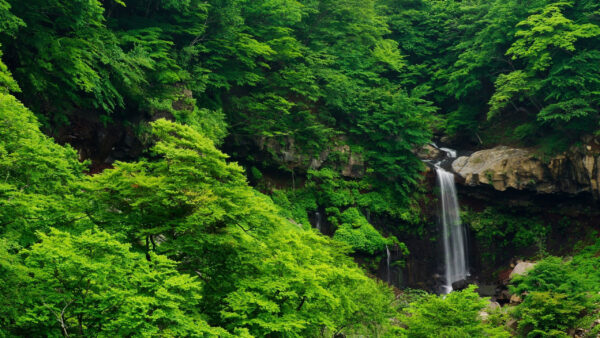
pixel 302 284
pixel 188 198
pixel 188 203
pixel 91 284
pixel 68 59
pixel 553 83
pixel 38 176
pixel 547 314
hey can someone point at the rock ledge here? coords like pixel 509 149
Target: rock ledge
pixel 574 171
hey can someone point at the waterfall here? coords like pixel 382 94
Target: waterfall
pixel 454 234
pixel 450 152
pixel 389 257
pixel 318 220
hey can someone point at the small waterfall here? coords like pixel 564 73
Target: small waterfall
pixel 450 152
pixel 454 237
pixel 389 258
pixel 318 220
pixel 454 234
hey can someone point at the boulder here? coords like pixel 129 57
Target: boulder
pixel 460 285
pixel 574 171
pixel 515 299
pixel 486 290
pixel 493 306
pixel 429 152
pixel 521 268
pixel 503 167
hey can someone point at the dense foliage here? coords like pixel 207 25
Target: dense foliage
pixel 560 295
pixel 529 67
pixel 454 315
pixel 123 214
pixel 179 237
pixel 498 229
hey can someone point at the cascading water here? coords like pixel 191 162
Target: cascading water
pixel 453 232
pixel 318 220
pixel 389 257
pixel 451 153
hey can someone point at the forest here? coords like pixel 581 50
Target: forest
pixel 299 168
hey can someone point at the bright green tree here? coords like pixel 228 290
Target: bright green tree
pixel 38 176
pixel 91 284
pixel 187 202
pixel 302 284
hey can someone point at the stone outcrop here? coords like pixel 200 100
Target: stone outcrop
pixel 574 171
pixel 521 269
pixel 460 285
pixel 339 154
pixel 428 152
pixel 502 167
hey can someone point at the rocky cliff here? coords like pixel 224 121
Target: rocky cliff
pixel 574 171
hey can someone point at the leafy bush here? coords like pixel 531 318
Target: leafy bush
pixel 558 294
pixel 357 232
pixel 551 274
pixel 452 315
pixel 547 314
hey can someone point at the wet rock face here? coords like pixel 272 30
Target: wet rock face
pixel 576 170
pixel 460 285
pixel 429 152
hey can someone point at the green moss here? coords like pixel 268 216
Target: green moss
pixel 489 175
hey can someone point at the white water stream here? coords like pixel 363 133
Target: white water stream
pixel 453 232
pixel 318 220
pixel 454 238
pixel 389 257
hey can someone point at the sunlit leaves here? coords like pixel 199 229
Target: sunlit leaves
pixel 93 284
pixel 37 175
pixel 452 315
pixel 510 87
pixel 546 30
